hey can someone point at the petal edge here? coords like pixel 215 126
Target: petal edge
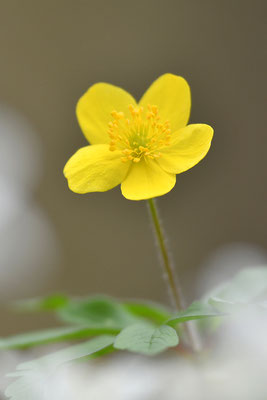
pixel 171 93
pixel 94 109
pixel 95 169
pixel 188 147
pixel 146 180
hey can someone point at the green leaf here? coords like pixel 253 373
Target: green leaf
pixel 196 310
pixel 82 311
pixel 72 353
pixel 31 339
pixel 48 303
pixel 155 312
pixel 248 287
pixel 146 339
pixel 32 377
pixel 98 312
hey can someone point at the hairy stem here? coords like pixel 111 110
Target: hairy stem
pixel 174 287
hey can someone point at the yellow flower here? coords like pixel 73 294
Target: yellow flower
pixel 140 146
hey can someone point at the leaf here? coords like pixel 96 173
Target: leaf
pixel 84 310
pixel 146 339
pixel 71 353
pixel 48 303
pixel 31 339
pixel 248 287
pixel 196 310
pixel 32 377
pixel 155 312
pixel 98 312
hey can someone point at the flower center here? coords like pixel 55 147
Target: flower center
pixel 141 135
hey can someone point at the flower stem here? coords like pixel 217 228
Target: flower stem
pixel 174 287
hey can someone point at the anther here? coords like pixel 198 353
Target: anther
pixel 120 115
pixel 126 151
pixel 142 148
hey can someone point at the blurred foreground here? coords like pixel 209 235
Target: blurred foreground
pixel 232 366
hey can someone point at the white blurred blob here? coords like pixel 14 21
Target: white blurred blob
pixel 20 152
pixel 226 261
pixel 28 246
pixel 8 362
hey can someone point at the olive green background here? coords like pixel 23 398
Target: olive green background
pixel 52 51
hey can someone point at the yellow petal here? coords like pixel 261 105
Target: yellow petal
pixel 188 146
pixel 145 180
pixel 94 110
pixel 95 169
pixel 171 94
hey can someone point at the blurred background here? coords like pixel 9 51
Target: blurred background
pixel 52 240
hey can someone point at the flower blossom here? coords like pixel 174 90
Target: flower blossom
pixel 141 146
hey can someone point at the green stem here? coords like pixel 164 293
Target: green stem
pixel 175 289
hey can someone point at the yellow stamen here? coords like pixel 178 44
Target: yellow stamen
pixel 141 135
